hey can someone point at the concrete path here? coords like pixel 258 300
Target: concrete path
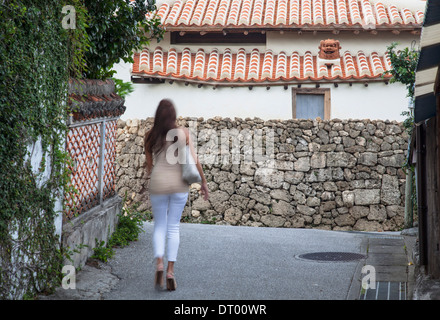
pixel 227 262
pixel 242 263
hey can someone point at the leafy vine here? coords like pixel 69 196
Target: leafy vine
pixel 33 83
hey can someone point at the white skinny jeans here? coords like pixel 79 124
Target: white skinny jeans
pixel 167 210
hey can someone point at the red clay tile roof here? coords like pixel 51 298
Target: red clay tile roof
pixel 284 13
pixel 255 67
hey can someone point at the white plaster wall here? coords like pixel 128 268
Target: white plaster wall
pixel 208 47
pixel 365 41
pixel 35 156
pixel 377 101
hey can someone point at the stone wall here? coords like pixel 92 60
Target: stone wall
pixel 335 174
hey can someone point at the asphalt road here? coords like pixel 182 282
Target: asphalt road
pixel 242 263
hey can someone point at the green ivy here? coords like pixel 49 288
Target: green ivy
pixel 79 43
pixel 33 86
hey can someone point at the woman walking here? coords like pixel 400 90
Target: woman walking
pixel 168 191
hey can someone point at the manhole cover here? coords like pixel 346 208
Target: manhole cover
pixel 332 256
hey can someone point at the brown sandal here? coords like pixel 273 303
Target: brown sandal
pixel 158 279
pixel 171 282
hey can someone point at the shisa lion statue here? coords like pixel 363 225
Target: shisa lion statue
pixel 329 52
pixel 329 49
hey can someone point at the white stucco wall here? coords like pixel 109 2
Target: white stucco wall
pixel 364 41
pixel 165 45
pixel 377 101
pixel 35 155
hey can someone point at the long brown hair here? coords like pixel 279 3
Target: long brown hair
pixel 164 120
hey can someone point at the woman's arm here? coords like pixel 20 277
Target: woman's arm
pixel 149 158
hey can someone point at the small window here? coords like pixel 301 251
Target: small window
pixel 310 103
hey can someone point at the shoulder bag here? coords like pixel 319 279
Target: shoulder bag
pixel 190 173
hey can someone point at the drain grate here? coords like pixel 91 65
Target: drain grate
pixel 385 291
pixel 332 256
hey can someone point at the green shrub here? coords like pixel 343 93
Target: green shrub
pixel 102 252
pixel 128 229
